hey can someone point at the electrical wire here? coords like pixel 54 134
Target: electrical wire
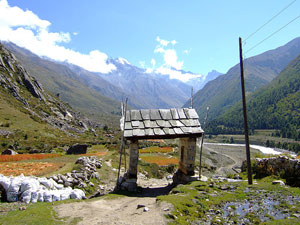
pixel 272 34
pixel 269 20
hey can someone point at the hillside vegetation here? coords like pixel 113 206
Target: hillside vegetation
pixel 223 92
pixel 275 106
pixel 74 88
pixel 31 118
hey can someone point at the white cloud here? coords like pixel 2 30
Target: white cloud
pixel 149 70
pixel 27 30
pixel 179 75
pixel 142 64
pixel 159 49
pixel 171 66
pixel 187 52
pixel 162 42
pixel 173 42
pixel 170 57
pixel 153 62
pixel 75 33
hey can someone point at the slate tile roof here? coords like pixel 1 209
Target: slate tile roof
pixel 162 123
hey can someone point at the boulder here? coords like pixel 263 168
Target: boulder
pixel 9 152
pixel 77 149
pixel 280 182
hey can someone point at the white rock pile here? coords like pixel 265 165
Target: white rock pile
pixel 35 189
pixel 81 177
pixel 54 188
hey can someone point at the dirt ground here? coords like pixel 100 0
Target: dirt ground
pixel 124 210
pixel 224 158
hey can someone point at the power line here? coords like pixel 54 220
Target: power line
pixel 272 34
pixel 269 20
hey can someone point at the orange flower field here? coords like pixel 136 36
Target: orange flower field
pixel 22 157
pixel 95 154
pixel 34 168
pixel 156 150
pixel 160 160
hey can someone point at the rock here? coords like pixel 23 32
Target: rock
pixel 77 149
pixel 169 177
pixel 60 181
pixel 77 194
pixel 297 215
pixel 278 182
pixel 140 206
pixel 55 178
pixel 9 152
pixel 166 209
pixel 67 184
pixel 237 177
pixel 96 194
pixel 203 178
pixel 223 188
pixel 22 208
pixel 82 185
pixel 34 151
pixel 146 209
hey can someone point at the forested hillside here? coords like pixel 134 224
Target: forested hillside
pixel 276 106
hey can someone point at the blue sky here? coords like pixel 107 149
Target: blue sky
pixel 194 35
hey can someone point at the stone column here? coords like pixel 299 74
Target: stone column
pixel 187 155
pixel 133 159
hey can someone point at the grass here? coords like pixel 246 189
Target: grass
pixel 36 214
pixel 193 200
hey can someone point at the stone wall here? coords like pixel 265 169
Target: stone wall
pixel 283 166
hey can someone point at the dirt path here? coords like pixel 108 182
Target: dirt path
pixel 224 158
pixel 227 161
pixel 122 210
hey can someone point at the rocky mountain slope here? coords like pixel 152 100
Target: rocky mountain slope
pixel 223 92
pixel 81 89
pixel 147 90
pixel 25 107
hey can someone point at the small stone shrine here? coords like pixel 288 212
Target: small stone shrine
pixel 162 124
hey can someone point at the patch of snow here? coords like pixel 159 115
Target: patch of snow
pixel 122 61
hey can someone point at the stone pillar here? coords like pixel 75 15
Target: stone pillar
pixel 133 159
pixel 187 155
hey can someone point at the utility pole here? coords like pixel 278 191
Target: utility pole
pixel 245 115
pixel 201 145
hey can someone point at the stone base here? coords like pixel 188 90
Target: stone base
pixel 127 184
pixel 181 178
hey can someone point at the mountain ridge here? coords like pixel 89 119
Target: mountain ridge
pixel 223 92
pixel 59 79
pixel 274 106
